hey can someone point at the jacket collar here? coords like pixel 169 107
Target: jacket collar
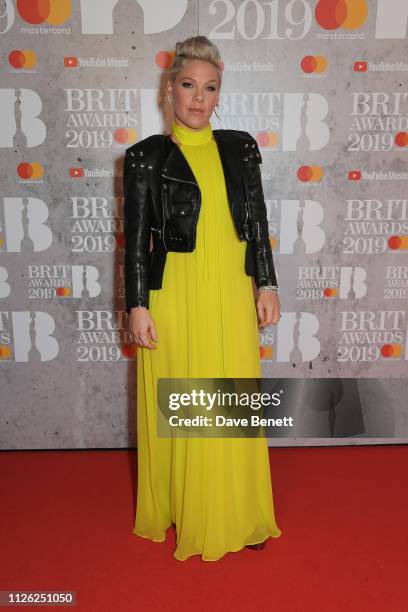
pixel 176 166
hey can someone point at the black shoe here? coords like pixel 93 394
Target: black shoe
pixel 258 546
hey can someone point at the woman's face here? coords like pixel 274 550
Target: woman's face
pixel 196 87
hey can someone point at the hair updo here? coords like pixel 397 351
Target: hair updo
pixel 195 47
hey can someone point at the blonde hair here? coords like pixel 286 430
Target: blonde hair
pixel 195 47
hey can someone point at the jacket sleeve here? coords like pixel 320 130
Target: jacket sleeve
pixel 136 218
pixel 264 265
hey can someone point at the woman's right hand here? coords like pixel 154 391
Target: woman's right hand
pixel 142 327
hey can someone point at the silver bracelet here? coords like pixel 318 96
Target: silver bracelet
pixel 272 288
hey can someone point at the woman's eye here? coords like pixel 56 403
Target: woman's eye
pixel 187 84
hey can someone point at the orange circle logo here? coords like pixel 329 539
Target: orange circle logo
pixel 164 59
pixel 54 12
pixel 125 135
pixel 401 139
pixel 267 139
pixel 347 14
pixel 22 58
pixel 310 174
pixel 33 171
pixel 313 63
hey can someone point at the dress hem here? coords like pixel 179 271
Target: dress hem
pixel 274 535
pixel 233 550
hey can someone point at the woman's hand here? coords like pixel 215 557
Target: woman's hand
pixel 268 308
pixel 142 327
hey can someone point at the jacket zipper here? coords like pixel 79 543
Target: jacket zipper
pixel 246 205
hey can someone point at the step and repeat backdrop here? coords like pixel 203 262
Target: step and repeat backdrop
pixel 322 86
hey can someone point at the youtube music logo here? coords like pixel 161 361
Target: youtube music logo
pixel 70 62
pixel 360 66
pixel 76 172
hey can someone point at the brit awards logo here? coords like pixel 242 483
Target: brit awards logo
pixel 331 282
pixel 296 226
pixel 100 118
pixel 20 122
pixel 27 336
pixel 396 283
pixel 103 335
pixel 379 121
pixel 284 121
pixel 375 226
pixel 23 226
pixel 368 335
pixel 63 281
pixel 97 225
pixel 295 339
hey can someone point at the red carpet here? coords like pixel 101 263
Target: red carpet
pixel 67 516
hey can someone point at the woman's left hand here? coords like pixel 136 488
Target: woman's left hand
pixel 268 308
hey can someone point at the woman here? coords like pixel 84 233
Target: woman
pixel 192 312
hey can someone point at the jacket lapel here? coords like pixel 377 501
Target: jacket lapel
pixel 176 166
pixel 232 164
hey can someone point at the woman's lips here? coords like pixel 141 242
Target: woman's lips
pixel 195 110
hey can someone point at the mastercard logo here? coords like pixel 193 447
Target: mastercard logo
pixel 347 14
pixel 76 172
pixel 53 12
pixel 310 174
pixel 401 139
pixel 330 292
pixel 22 58
pixel 129 351
pixel 265 352
pixel 164 59
pixel 391 350
pixel 125 135
pixel 398 243
pixel 360 66
pixel 34 171
pixel 70 62
pixel 354 175
pixel 313 64
pixel 63 291
pixel 267 139
pixel 5 351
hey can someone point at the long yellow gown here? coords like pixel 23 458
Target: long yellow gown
pixel 217 491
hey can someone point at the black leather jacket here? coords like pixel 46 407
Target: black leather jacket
pixel 162 202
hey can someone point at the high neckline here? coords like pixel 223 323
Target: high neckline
pixel 188 136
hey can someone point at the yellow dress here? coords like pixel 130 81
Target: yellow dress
pixel 217 491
